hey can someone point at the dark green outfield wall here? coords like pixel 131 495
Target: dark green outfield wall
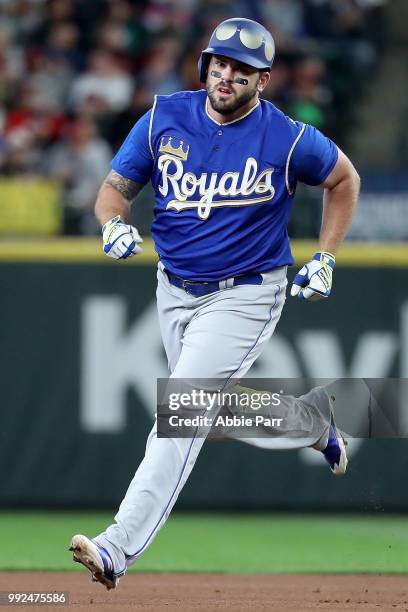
pixel 80 353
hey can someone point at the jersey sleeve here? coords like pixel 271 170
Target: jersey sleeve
pixel 313 157
pixel 134 159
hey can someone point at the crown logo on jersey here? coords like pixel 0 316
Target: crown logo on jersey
pixel 174 146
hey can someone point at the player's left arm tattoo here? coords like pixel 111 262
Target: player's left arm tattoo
pixel 126 187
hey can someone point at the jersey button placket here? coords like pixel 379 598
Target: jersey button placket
pixel 216 152
pixel 217 147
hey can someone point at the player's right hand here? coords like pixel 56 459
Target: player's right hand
pixel 120 240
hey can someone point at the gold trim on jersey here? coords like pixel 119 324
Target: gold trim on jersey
pixel 151 126
pixel 298 137
pixel 179 205
pixel 234 120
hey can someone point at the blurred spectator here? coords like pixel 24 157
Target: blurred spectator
pixel 123 30
pixel 117 128
pixel 12 66
pixel 50 79
pixel 75 76
pixel 161 72
pixel 309 97
pixel 29 128
pixel 62 45
pixel 285 16
pixel 105 87
pixel 80 161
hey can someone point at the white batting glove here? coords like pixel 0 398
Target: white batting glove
pixel 120 240
pixel 314 280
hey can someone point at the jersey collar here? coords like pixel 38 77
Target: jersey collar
pixel 234 120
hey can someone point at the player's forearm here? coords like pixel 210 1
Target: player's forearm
pixel 111 203
pixel 339 204
pixel 115 197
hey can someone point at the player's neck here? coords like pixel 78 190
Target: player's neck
pixel 240 112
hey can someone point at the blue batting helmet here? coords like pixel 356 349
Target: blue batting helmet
pixel 241 39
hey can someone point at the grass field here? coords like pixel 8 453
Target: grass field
pixel 268 543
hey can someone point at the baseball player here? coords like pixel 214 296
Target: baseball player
pixel 224 165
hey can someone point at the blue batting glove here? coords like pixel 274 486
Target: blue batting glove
pixel 120 240
pixel 314 280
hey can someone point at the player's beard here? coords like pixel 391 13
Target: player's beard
pixel 226 107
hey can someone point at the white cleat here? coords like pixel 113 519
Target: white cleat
pixel 95 558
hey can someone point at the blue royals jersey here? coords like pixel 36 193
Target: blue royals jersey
pixel 224 192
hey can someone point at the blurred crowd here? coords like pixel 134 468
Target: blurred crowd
pixel 75 75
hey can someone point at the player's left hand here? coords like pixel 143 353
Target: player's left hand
pixel 314 280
